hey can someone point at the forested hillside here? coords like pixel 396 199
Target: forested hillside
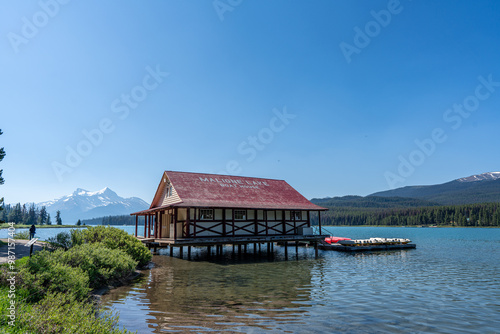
pixel 450 193
pixel 479 215
pixel 372 202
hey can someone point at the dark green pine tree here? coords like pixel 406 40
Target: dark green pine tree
pixel 31 215
pixel 2 155
pixel 58 218
pixel 49 222
pixel 42 216
pixel 15 215
pixel 24 214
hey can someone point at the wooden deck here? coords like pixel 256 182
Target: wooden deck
pixel 238 242
pixel 341 248
pixel 212 241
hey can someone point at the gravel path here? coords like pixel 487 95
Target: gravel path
pixel 20 250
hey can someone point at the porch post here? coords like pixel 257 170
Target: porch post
pixel 188 222
pixel 232 221
pixel 156 225
pixel 136 226
pixel 149 226
pixel 145 225
pixel 264 212
pixel 175 223
pixel 319 222
pixel 160 219
pixel 255 222
pixel 283 222
pixel 223 222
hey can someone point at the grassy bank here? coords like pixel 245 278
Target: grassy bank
pixel 5 225
pixel 52 291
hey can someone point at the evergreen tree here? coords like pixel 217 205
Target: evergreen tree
pixel 15 214
pixel 4 213
pixel 49 222
pixel 42 216
pixel 31 215
pixel 79 222
pixel 58 218
pixel 24 214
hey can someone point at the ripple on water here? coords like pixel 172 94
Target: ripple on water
pixel 448 284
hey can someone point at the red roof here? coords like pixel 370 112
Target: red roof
pixel 224 191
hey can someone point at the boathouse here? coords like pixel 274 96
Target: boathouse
pixel 207 209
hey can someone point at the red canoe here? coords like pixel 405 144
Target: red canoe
pixel 334 240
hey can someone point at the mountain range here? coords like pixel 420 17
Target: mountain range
pixel 84 204
pixel 479 188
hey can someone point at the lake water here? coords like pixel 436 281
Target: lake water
pixel 448 284
pixel 45 233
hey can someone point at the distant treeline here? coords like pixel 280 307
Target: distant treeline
pixel 113 220
pixel 480 215
pixel 29 215
pixel 372 202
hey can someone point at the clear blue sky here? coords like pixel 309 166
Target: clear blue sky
pixel 330 96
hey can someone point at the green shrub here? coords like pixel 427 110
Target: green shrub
pixel 57 313
pixel 113 238
pixel 61 240
pixel 20 297
pixel 44 274
pixel 24 235
pixel 99 262
pixel 52 287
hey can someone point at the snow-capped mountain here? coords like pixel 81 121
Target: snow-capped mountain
pixel 83 204
pixel 481 177
pixel 480 188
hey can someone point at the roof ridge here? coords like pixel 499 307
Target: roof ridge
pixel 225 175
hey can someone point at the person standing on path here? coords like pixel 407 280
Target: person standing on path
pixel 32 231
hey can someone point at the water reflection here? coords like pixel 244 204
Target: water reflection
pixel 220 295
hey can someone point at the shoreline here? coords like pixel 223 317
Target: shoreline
pixel 98 293
pixel 6 226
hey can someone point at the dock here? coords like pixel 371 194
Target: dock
pixel 344 248
pixel 240 242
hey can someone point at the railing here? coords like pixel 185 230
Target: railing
pixel 324 230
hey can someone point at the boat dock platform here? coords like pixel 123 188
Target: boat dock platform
pixel 344 248
pixel 241 242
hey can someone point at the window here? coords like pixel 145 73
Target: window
pixel 240 214
pixel 297 215
pixel 168 192
pixel 206 214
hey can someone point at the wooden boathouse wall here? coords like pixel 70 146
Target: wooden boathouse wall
pixel 176 223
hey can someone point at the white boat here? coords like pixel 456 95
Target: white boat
pixel 374 242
